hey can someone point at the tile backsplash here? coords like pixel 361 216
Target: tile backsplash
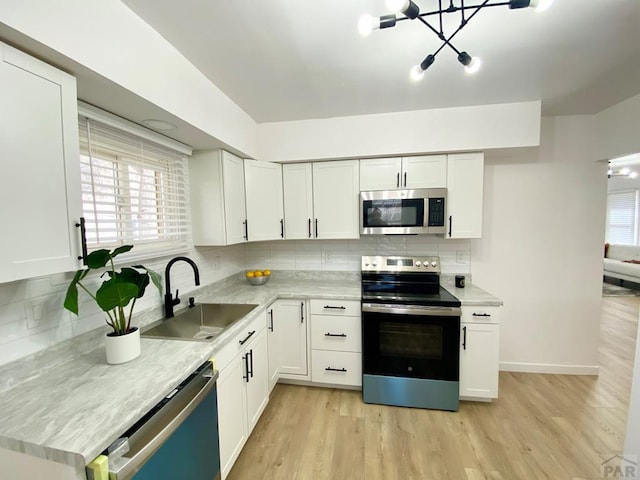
pixel 32 317
pixel 346 254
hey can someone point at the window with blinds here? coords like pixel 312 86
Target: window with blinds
pixel 133 192
pixel 622 218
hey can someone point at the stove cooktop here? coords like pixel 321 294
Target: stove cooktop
pixel 441 299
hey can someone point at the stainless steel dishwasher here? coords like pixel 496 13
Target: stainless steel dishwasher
pixel 176 439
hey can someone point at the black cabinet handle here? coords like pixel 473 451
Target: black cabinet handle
pixel 405 179
pixel 309 228
pixel 271 320
pixel 316 228
pixel 246 367
pixel 398 179
pixel 83 240
pixel 464 338
pixel 335 335
pixel 251 354
pixel 282 227
pixel 242 342
pixel 450 222
pixel 481 314
pixel 329 369
pixel 301 312
pixel 246 230
pixel 335 308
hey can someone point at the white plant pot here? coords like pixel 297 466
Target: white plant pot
pixel 123 348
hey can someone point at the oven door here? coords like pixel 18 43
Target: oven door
pixel 411 341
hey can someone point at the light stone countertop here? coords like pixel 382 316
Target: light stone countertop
pixel 67 404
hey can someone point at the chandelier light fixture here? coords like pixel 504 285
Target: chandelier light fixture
pixel 408 10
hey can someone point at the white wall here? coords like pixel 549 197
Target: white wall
pixel 108 38
pixel 618 129
pixel 424 131
pixel 541 249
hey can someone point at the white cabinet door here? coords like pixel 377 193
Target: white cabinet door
pixel 273 343
pixel 232 413
pixel 336 199
pixel 257 383
pixel 234 198
pixel 298 200
pixel 290 326
pixel 40 200
pixel 479 364
pixel 465 174
pixel 218 210
pixel 427 171
pixel 263 187
pixel 380 174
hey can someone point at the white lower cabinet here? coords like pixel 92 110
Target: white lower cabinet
pixel 242 396
pixel 336 342
pixel 288 353
pixel 479 352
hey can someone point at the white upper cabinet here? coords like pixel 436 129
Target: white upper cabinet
pixel 218 208
pixel 336 199
pixel 426 171
pixel 263 186
pixel 298 200
pixel 40 199
pixel 465 176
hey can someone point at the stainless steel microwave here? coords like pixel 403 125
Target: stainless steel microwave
pixel 400 212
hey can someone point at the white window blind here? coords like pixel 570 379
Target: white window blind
pixel 622 224
pixel 133 192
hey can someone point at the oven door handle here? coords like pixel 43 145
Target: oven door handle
pixel 422 310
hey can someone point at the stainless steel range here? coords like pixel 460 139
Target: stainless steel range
pixel 410 334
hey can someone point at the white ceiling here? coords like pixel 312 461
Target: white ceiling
pixel 299 59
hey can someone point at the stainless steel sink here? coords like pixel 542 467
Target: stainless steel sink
pixel 203 322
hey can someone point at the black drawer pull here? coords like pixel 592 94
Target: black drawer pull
pixel 335 308
pixel 335 335
pixel 329 369
pixel 481 315
pixel 242 342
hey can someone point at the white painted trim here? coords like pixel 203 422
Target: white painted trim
pixel 99 115
pixel 549 368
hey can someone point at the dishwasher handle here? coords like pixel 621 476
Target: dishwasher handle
pixel 124 468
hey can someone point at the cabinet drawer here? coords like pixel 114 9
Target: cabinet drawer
pixel 479 314
pixel 335 307
pixel 331 332
pixel 232 346
pixel 342 368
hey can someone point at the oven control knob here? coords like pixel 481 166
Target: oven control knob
pixel 418 264
pixel 434 264
pixel 375 264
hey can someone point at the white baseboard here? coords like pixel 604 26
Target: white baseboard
pixel 549 368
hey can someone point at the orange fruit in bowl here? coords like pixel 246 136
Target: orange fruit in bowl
pixel 257 273
pixel 267 273
pixel 249 274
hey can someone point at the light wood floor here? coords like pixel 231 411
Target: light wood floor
pixel 541 427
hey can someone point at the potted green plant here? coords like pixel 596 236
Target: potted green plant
pixel 116 297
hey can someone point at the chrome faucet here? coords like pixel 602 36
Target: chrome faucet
pixel 169 301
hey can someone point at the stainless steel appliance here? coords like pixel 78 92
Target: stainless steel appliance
pixel 178 438
pixel 410 334
pixel 403 211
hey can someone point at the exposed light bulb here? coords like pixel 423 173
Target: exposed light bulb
pixel 416 73
pixel 473 66
pixel 625 171
pixel 633 175
pixel 541 5
pixel 397 6
pixel 366 24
